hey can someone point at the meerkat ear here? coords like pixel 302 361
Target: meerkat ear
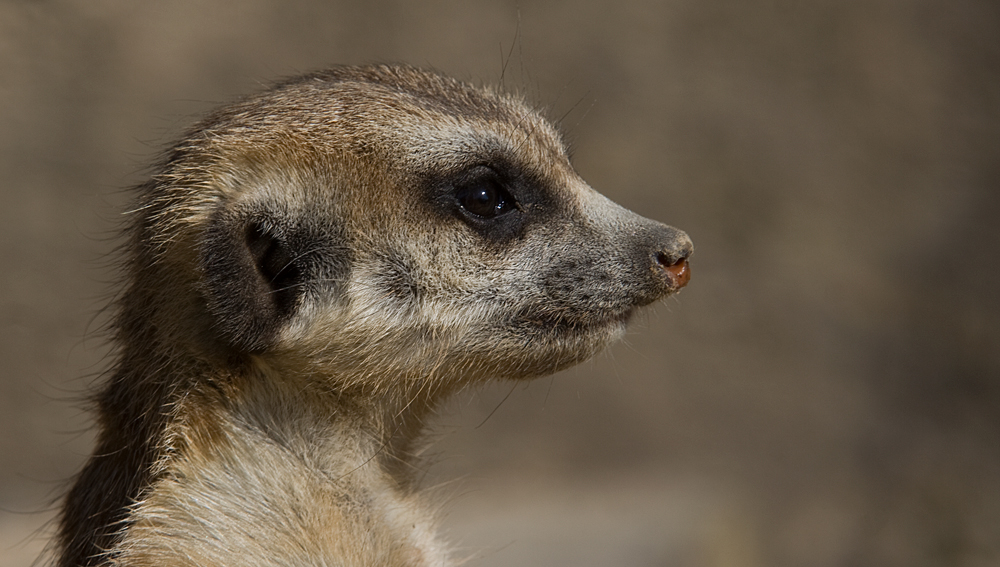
pixel 252 281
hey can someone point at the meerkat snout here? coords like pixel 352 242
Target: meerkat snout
pixel 309 272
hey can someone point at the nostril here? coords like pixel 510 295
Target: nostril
pixel 676 266
pixel 667 260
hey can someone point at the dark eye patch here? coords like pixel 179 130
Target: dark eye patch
pixel 492 195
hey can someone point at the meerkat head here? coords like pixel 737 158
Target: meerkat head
pixel 378 224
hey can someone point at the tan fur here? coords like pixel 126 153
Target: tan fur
pixel 306 279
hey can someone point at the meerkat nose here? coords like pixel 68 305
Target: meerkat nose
pixel 679 271
pixel 673 260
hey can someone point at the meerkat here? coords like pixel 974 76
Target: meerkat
pixel 307 274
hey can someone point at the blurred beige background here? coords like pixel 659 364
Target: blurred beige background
pixel 825 393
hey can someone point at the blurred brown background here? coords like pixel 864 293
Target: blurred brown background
pixel 827 390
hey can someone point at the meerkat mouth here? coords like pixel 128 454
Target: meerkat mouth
pixel 571 324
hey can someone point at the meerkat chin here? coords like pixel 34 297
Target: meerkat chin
pixel 308 273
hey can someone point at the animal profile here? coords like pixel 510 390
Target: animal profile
pixel 308 273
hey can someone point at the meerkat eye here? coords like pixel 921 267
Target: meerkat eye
pixel 485 197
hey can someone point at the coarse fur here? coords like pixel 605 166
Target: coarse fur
pixel 308 273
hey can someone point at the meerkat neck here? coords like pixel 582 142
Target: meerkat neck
pixel 187 432
pixel 309 416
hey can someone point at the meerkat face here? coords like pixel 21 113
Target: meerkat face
pixel 385 222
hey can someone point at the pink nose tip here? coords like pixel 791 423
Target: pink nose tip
pixel 679 271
